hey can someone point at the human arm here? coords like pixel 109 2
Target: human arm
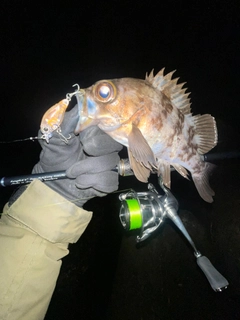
pixel 37 226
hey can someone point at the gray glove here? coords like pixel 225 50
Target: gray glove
pixel 87 158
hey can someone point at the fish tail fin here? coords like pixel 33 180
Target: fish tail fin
pixel 202 183
pixel 206 132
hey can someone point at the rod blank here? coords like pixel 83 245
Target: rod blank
pixel 123 169
pixel 28 178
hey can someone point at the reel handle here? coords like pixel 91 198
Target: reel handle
pixel 216 280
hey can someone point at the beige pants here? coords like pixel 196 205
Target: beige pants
pixel 34 236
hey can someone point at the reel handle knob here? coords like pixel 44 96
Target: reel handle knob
pixel 216 280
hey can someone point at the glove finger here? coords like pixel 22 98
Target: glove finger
pixel 93 165
pixel 90 132
pixel 97 143
pixel 106 182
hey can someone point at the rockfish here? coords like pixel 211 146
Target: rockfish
pixel 153 119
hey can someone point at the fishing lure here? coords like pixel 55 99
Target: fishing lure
pixel 54 116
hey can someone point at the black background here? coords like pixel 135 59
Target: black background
pixel 45 49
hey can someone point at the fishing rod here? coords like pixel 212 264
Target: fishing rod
pixel 145 211
pixel 123 169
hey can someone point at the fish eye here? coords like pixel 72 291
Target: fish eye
pixel 105 91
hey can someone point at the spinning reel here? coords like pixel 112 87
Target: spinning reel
pixel 147 211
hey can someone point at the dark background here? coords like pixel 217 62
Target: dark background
pixel 45 49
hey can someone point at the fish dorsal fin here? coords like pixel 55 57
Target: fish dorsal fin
pixel 171 89
pixel 206 135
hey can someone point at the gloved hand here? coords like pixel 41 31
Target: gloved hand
pixel 87 158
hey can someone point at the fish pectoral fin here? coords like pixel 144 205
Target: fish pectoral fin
pixel 180 169
pixel 206 132
pixel 164 171
pixel 140 149
pixel 142 173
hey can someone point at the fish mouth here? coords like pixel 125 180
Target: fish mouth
pixel 90 115
pixel 85 120
pixel 109 128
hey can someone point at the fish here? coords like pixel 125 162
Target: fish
pixel 152 117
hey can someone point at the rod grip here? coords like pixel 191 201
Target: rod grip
pixel 216 280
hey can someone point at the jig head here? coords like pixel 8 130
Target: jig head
pixel 54 116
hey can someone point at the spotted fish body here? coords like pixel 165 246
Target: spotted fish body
pixel 153 119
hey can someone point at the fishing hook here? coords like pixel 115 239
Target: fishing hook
pixel 78 91
pixel 63 138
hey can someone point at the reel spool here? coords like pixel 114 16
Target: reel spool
pixel 141 210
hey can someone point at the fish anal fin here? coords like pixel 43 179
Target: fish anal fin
pixel 202 184
pixel 140 149
pixel 181 170
pixel 164 171
pixel 206 135
pixel 142 173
